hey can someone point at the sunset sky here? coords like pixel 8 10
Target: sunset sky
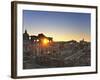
pixel 62 26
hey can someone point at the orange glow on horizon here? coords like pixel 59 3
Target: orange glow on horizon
pixel 66 37
pixel 77 38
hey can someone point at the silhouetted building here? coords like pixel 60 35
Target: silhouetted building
pixel 50 39
pixel 83 41
pixel 40 36
pixel 25 35
pixel 34 38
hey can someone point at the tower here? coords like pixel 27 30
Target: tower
pixel 25 35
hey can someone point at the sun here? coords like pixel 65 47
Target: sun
pixel 45 41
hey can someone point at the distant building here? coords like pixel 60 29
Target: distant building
pixel 34 38
pixel 37 45
pixel 83 41
pixel 50 39
pixel 42 36
pixel 25 35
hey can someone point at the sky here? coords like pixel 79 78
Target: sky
pixel 61 26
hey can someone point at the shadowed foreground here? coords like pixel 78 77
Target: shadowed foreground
pixel 56 54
